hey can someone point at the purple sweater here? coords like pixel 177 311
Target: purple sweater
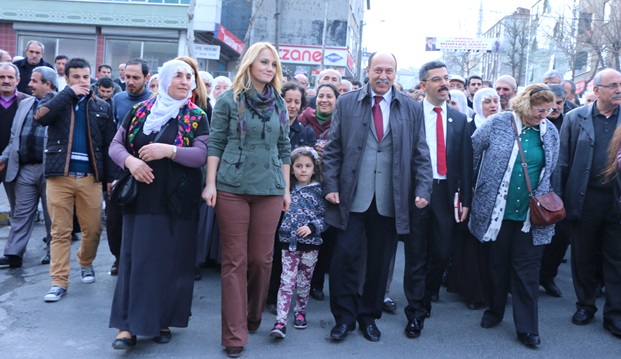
pixel 195 156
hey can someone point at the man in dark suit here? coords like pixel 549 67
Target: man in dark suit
pixel 450 148
pixel 430 46
pixel 376 166
pixel 23 160
pixel 592 204
pixel 34 58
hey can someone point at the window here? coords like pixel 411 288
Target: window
pixel 154 52
pixel 72 46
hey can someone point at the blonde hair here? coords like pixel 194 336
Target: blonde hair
pixel 611 170
pixel 200 92
pixel 533 95
pixel 242 82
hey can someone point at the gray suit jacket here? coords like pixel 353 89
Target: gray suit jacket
pixel 10 155
pixel 342 158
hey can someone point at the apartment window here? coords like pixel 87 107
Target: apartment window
pixel 154 52
pixel 71 46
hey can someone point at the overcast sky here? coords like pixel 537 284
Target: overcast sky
pixel 401 26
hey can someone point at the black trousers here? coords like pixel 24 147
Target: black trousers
pixel 345 303
pixel 325 258
pixel 514 264
pixel 440 232
pixel 597 233
pixel 415 271
pixel 554 252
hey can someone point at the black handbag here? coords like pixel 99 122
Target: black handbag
pixel 125 189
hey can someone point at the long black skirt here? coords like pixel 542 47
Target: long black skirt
pixel 156 274
pixel 209 246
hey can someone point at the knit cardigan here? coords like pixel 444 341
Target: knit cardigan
pixel 493 143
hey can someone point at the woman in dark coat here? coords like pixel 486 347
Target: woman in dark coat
pixel 465 275
pixel 162 143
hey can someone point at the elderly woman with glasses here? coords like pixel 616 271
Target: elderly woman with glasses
pixel 500 216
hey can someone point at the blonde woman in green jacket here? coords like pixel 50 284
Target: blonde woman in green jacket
pixel 248 184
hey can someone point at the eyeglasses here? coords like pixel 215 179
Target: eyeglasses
pixel 543 111
pixel 437 79
pixel 610 86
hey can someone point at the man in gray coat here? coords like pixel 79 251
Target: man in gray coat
pixel 23 160
pixel 376 169
pixel 593 207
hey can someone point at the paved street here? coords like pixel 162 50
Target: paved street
pixel 77 326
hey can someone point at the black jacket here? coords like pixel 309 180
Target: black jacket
pixel 571 177
pixel 458 156
pixel 25 71
pixel 300 135
pixel 57 112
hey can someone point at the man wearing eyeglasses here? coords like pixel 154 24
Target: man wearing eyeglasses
pixel 431 235
pixel 592 205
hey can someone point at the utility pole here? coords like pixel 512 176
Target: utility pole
pixel 323 39
pixel 190 33
pixel 359 60
pixel 277 25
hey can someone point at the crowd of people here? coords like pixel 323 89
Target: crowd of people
pixel 298 182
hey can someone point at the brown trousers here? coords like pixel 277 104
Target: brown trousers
pixel 62 194
pixel 247 228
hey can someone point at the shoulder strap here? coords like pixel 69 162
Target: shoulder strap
pixel 524 166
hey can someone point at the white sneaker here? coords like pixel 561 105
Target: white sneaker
pixel 87 274
pixel 54 294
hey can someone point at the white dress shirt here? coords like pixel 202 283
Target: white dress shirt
pixel 430 134
pixel 384 106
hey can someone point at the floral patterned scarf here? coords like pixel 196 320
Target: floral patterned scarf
pixel 187 122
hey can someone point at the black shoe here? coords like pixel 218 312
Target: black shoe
pixel 613 326
pixel 582 317
pixel 389 306
pixel 114 270
pixel 371 332
pixel 473 304
pixel 528 339
pixel 164 337
pixel 317 293
pixel 10 261
pixel 46 259
pixel 234 352
pixel 124 343
pixel 340 331
pixel 489 320
pixel 551 288
pixel 414 327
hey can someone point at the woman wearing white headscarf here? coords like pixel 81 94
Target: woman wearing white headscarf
pixel 162 142
pixel 459 102
pixel 486 102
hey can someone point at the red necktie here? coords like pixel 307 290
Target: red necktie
pixel 441 154
pixel 378 119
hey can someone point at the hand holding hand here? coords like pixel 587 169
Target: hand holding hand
pixel 420 202
pixel 139 169
pixel 333 197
